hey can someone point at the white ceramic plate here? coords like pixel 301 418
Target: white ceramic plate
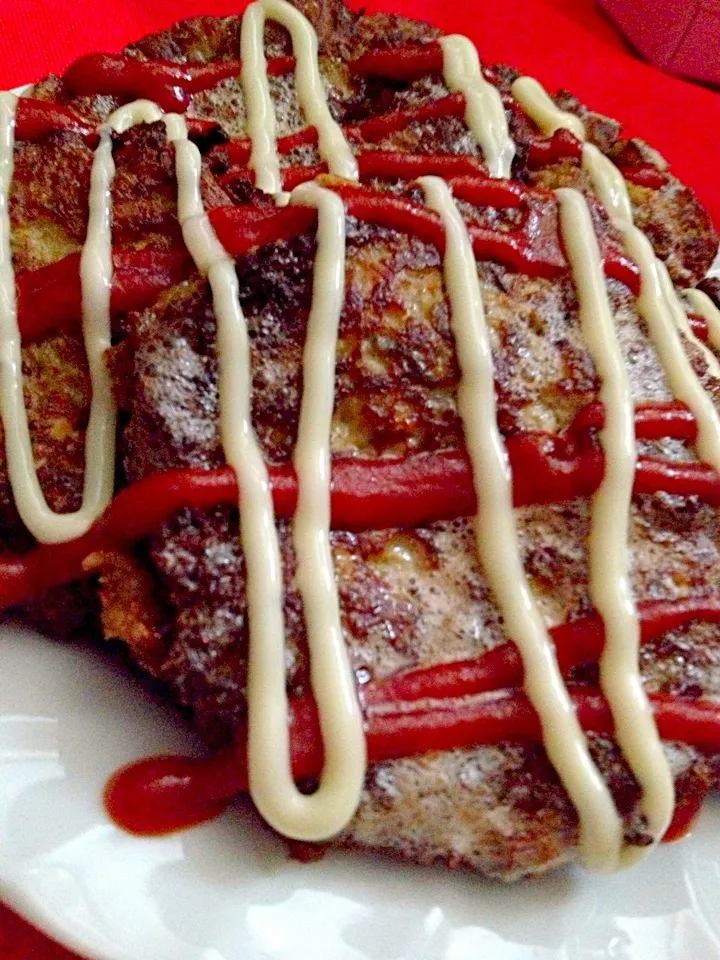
pixel 226 891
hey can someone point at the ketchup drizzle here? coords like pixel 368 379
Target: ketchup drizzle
pixel 400 63
pixel 698 325
pixel 168 84
pixel 378 164
pixel 654 421
pixel 690 796
pixel 165 793
pixel 533 248
pixel 562 145
pixel 644 176
pixel 366 494
pixel 376 128
pixel 36 119
pixel 50 298
pixel 383 125
pixel 576 642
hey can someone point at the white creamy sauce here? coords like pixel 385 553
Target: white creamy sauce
pixel 658 305
pixel 683 324
pixel 703 305
pixel 333 681
pixel 484 111
pixel 272 787
pixel 610 187
pixel 609 551
pixel 198 234
pixel 96 279
pixel 664 333
pixel 131 114
pixel 608 183
pixel 540 107
pixel 498 547
pixel 260 123
pixel 323 814
pixel 662 311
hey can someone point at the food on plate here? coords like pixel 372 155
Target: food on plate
pixel 366 392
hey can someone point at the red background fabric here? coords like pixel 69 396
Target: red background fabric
pixel 561 42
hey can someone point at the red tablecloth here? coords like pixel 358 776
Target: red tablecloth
pixel 562 42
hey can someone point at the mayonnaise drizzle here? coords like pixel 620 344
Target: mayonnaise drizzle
pixel 484 111
pixel 540 107
pixel 261 124
pixel 662 300
pixel 610 186
pixel 498 548
pixel 660 307
pixel 96 280
pixel 96 273
pixel 683 324
pixel 659 303
pixel 272 787
pixel 609 553
pixel 131 114
pixel 327 811
pixel 702 304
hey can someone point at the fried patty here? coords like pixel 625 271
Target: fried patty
pixel 408 598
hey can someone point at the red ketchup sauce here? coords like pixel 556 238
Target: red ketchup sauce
pixel 36 119
pixel 383 125
pixel 562 145
pixel 644 176
pixel 376 128
pixel 165 793
pixel 400 63
pixel 688 804
pixel 533 248
pixel 168 84
pixel 577 642
pixel 698 325
pixel 652 421
pixel 380 164
pixel 50 298
pixel 365 494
